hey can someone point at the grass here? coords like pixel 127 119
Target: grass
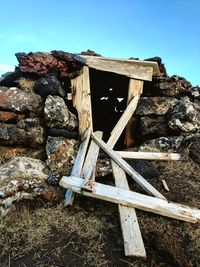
pixel 89 234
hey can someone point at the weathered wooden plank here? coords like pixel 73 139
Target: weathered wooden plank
pixel 133 199
pixel 119 127
pixel 133 243
pixel 90 165
pixel 95 62
pixel 149 155
pixel 135 88
pixel 81 98
pixel 128 169
pixel 78 164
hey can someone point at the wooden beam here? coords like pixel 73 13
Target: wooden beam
pixel 133 243
pixel 133 199
pixel 149 155
pixel 119 127
pixel 78 164
pixel 81 98
pixel 89 167
pixel 129 68
pixel 128 169
pixel 135 88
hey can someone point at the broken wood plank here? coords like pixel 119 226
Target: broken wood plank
pixel 133 199
pixel 88 172
pixel 135 88
pixel 128 169
pixel 77 168
pixel 133 243
pixel 119 127
pixel 165 185
pixel 82 99
pixel 141 70
pixel 149 155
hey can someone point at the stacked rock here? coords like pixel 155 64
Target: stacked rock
pixel 169 115
pixel 37 126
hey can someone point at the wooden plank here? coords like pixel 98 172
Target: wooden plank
pixel 91 59
pixel 149 155
pixel 135 88
pixel 133 199
pixel 165 185
pixel 119 127
pixel 78 164
pixel 128 169
pixel 82 99
pixel 133 243
pixel 90 165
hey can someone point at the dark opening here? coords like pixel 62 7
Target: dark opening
pixel 109 99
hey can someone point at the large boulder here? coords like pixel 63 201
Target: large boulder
pixel 22 174
pixel 11 134
pixel 49 85
pixel 154 105
pixel 61 154
pixel 154 125
pixel 185 116
pixel 162 144
pixel 21 178
pixel 15 99
pixel 57 114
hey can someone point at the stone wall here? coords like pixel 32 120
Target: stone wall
pixel 169 115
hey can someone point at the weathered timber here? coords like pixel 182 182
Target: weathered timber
pixel 136 69
pixel 165 185
pixel 119 127
pixel 128 169
pixel 88 172
pixel 135 88
pixel 133 199
pixel 133 243
pixel 149 155
pixel 77 168
pixel 82 99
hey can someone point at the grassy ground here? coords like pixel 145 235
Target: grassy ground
pixel 89 234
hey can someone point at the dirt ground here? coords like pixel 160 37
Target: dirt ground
pixel 40 234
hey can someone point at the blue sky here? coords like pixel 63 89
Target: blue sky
pixel 118 28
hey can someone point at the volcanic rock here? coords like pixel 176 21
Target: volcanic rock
pixel 10 134
pixel 162 144
pixel 154 105
pixel 8 153
pixel 15 99
pixel 49 86
pixel 10 116
pixel 57 114
pixel 154 125
pixel 185 116
pixel 61 153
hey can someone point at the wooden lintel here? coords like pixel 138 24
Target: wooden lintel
pixel 141 70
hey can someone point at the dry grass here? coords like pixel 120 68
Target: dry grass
pixel 89 233
pixel 26 84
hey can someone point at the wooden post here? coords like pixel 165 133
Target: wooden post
pixel 81 98
pixel 135 88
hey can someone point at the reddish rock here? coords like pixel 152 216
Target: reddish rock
pixel 61 154
pixel 8 153
pixel 7 116
pixel 15 99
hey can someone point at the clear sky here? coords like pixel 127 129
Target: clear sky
pixel 115 28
